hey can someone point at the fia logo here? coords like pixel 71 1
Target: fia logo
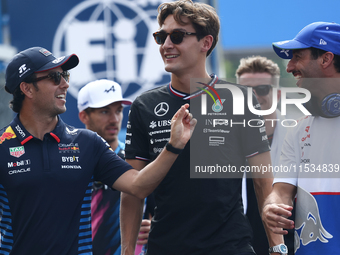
pixel 114 41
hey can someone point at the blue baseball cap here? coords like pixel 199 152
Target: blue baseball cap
pixel 320 35
pixel 34 60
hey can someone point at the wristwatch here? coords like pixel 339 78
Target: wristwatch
pixel 280 248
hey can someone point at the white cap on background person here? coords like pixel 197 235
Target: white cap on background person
pixel 100 93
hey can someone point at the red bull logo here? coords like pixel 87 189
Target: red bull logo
pixel 69 148
pixel 308 219
pixel 7 135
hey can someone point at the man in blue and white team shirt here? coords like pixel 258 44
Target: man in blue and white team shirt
pixel 311 149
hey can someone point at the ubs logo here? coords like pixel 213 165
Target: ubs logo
pixel 160 123
pixel 161 109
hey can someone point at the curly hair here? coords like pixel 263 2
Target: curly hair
pixel 202 16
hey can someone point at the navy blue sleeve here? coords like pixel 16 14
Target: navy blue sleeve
pixel 109 166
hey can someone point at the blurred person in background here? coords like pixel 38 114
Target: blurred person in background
pixel 100 105
pixel 262 74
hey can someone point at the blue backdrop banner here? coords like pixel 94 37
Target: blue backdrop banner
pixel 113 39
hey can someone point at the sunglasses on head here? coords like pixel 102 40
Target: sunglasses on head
pixel 56 77
pixel 176 36
pixel 262 90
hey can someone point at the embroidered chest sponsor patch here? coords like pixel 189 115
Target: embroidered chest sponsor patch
pixel 17 151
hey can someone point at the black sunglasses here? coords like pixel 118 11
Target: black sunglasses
pixel 262 90
pixel 176 36
pixel 56 77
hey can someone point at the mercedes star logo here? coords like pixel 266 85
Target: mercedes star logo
pixel 161 109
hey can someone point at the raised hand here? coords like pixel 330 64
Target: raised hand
pixel 182 127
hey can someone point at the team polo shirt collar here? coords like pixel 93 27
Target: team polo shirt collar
pixel 186 96
pixel 24 136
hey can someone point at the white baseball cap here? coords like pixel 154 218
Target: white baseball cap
pixel 100 93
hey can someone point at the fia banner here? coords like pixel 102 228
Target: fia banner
pixel 113 39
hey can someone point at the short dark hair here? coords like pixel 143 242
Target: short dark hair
pixel 315 53
pixel 18 97
pixel 88 110
pixel 202 16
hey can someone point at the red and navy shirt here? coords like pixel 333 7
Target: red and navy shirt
pixel 45 188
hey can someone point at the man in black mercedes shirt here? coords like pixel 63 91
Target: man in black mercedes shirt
pixel 192 216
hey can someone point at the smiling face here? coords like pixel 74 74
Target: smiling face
pixel 303 66
pixel 180 58
pixel 50 98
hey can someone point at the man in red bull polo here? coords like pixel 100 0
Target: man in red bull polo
pixel 47 167
pixel 310 152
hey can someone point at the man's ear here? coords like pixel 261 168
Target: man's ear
pixel 327 59
pixel 27 89
pixel 83 117
pixel 207 42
